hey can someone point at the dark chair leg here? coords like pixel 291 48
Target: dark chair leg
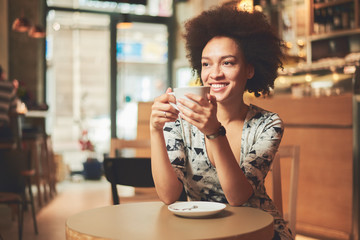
pixel 20 219
pixel 115 194
pixel 32 206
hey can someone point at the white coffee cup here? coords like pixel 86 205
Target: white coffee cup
pixel 196 90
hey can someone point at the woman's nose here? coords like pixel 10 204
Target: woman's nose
pixel 216 72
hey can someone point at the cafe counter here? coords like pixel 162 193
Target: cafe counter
pixel 323 129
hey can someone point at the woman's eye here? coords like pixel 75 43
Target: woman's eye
pixel 204 64
pixel 228 63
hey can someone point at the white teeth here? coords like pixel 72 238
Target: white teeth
pixel 218 85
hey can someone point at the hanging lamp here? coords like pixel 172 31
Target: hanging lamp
pixel 21 24
pixel 37 31
pixel 125 23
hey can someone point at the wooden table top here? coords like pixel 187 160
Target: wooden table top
pixel 153 221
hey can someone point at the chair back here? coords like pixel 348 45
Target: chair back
pixel 142 147
pixel 15 129
pixel 12 163
pixel 134 172
pixel 286 152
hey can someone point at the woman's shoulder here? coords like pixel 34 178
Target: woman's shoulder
pixel 259 114
pixel 256 111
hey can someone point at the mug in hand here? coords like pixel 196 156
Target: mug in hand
pixel 197 90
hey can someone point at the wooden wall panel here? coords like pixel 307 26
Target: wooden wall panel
pixel 322 129
pixel 325 178
pixel 334 110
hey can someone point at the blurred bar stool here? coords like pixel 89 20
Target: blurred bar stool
pixel 39 143
pixel 34 142
pixel 15 178
pixel 16 174
pixel 51 166
pixel 14 199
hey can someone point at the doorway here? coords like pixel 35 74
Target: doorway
pixel 95 81
pixel 78 83
pixel 142 71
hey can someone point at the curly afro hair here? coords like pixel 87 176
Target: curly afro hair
pixel 261 46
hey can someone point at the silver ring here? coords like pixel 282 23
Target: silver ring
pixel 165 114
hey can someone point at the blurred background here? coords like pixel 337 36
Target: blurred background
pixel 89 70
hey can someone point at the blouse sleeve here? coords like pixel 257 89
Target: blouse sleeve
pixel 175 147
pixel 265 136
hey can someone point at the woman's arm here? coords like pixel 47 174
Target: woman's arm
pixel 168 187
pixel 235 185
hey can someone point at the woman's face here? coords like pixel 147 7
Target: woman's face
pixel 224 69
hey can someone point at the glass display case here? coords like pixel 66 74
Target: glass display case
pixel 330 78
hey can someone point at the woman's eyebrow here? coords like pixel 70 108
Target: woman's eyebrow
pixel 222 57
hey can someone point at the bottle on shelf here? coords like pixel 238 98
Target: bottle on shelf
pixel 322 21
pixel 345 17
pixel 330 17
pixel 351 19
pixel 329 20
pixel 317 20
pixel 337 21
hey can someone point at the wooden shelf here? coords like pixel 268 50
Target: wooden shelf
pixel 331 4
pixel 340 36
pixel 334 34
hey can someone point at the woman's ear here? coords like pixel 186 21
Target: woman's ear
pixel 250 71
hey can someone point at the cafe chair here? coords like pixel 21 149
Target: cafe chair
pixel 291 152
pixel 12 199
pixel 134 172
pixel 118 148
pixel 15 179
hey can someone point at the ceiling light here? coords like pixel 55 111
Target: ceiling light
pixel 125 23
pixel 21 25
pixel 37 32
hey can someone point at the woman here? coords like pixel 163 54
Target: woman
pixel 220 149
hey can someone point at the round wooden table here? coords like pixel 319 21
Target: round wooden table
pixel 153 221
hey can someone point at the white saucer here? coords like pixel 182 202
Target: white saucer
pixel 196 208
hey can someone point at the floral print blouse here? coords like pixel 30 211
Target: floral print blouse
pixel 261 136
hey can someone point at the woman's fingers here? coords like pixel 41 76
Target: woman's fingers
pixel 199 111
pixel 196 104
pixel 162 111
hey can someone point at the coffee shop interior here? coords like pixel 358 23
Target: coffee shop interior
pixel 88 71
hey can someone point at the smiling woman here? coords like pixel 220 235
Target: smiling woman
pixel 233 51
pixel 252 33
pixel 224 69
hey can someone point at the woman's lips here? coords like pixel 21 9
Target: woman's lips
pixel 217 87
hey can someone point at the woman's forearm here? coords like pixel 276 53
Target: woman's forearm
pixel 235 185
pixel 168 187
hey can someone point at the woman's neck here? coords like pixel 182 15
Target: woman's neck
pixel 227 113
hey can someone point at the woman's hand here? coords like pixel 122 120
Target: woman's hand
pixel 200 112
pixel 162 111
pixel 167 184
